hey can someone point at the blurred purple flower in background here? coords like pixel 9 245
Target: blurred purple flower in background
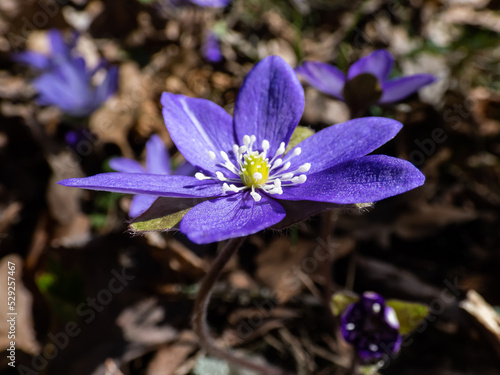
pixel 246 177
pixel 211 48
pixel 65 81
pixel 367 78
pixel 371 327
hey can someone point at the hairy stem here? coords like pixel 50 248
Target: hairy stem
pixel 199 318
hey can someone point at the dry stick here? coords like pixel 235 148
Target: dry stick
pixel 354 368
pixel 200 313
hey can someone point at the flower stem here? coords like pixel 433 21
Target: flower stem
pixel 200 313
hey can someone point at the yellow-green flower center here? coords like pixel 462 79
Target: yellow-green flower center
pixel 255 170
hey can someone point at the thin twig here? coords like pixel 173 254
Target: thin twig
pixel 200 314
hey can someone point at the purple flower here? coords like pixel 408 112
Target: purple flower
pixel 211 48
pixel 246 178
pixel 157 162
pixel 211 3
pixel 371 327
pixel 367 80
pixel 64 79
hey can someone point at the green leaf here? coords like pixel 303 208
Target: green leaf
pixel 300 133
pixel 214 366
pixel 369 369
pixel 409 314
pixel 164 214
pixel 159 224
pixel 341 300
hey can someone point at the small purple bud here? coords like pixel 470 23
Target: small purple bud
pixel 211 48
pixel 371 327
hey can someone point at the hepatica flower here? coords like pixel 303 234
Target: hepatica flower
pixel 367 81
pixel 65 81
pixel 246 178
pixel 371 327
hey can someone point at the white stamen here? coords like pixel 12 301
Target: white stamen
pixel 302 178
pixel 373 347
pixel 220 176
pixel 256 197
pixel 376 307
pixel 304 167
pixel 257 176
pixel 277 163
pixel 231 167
pixel 200 176
pixel 224 156
pixel 391 317
pixel 276 170
pixel 280 150
pixel 350 326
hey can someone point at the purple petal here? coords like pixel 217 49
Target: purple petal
pixel 33 59
pixel 55 91
pixel 140 203
pixel 152 184
pixel 378 63
pixel 211 3
pixel 157 158
pixel 227 217
pixel 67 89
pixel 108 87
pixel 164 206
pixel 269 104
pixel 74 75
pixel 185 169
pixel 197 126
pixel 399 88
pixel 324 77
pixel 366 179
pixel 57 43
pixel 349 140
pixel 126 165
pixel 211 48
pixel 298 211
